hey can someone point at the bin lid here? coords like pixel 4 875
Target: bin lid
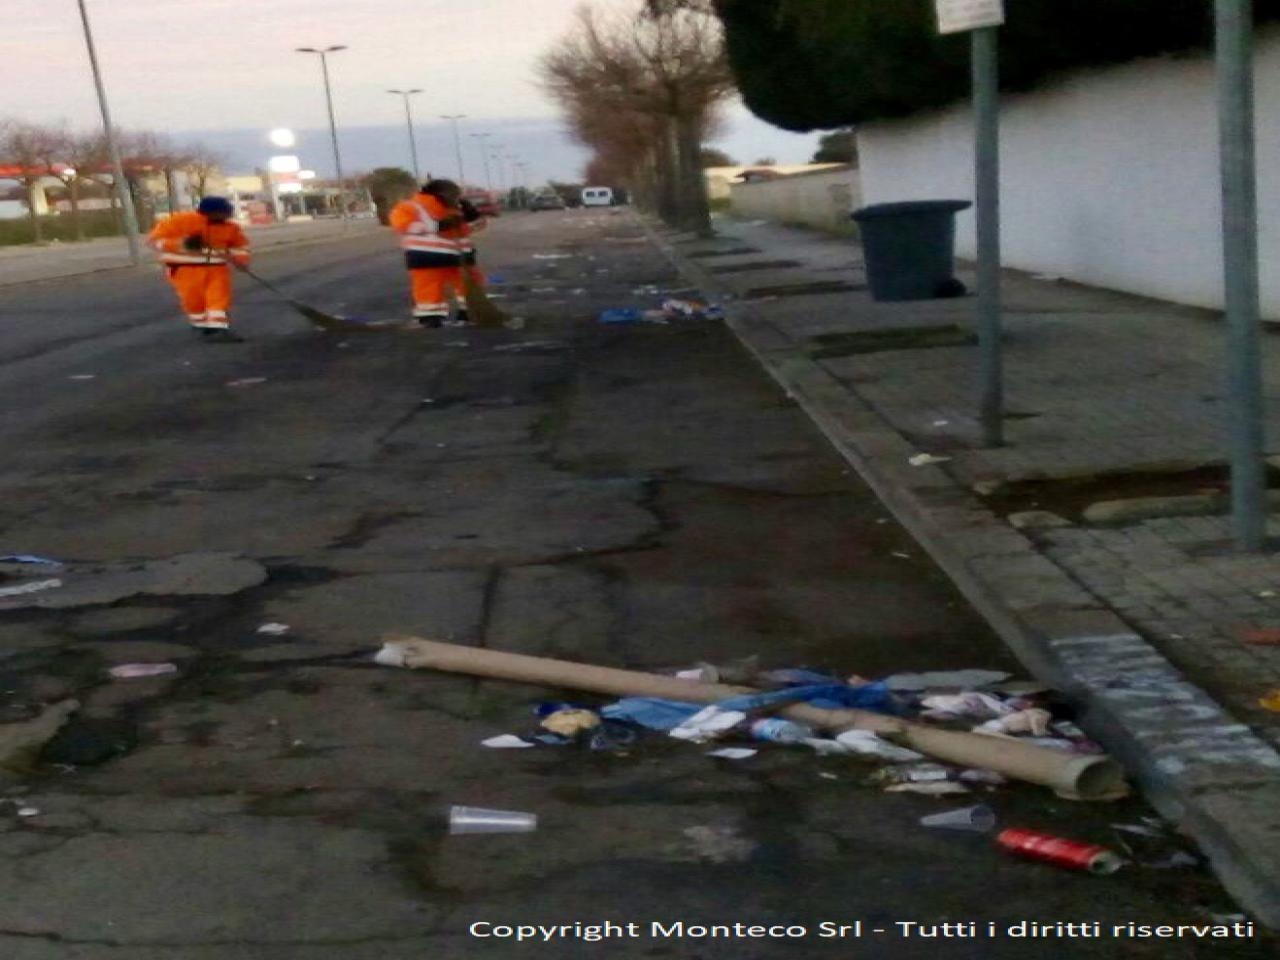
pixel 910 208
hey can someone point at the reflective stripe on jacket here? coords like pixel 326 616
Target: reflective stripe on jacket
pixel 220 241
pixel 424 243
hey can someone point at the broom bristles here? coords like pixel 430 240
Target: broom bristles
pixel 480 307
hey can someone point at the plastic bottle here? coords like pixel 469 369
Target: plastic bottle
pixel 775 730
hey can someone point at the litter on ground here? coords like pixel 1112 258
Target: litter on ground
pixel 133 671
pixel 482 820
pixel 926 739
pixel 507 741
pixel 733 753
pixel 35 586
pixel 979 819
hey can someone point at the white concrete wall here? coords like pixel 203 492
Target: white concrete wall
pixel 823 199
pixel 1109 178
pixel 721 179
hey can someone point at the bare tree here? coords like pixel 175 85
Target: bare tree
pixel 27 147
pixel 202 164
pixel 62 151
pixel 659 72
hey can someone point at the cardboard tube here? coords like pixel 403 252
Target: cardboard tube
pixel 1083 777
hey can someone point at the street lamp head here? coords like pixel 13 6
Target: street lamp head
pixel 336 47
pixel 305 50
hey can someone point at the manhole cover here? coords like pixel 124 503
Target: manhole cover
pixel 756 265
pixel 805 289
pixel 732 252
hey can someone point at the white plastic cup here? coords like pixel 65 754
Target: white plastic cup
pixel 979 819
pixel 480 820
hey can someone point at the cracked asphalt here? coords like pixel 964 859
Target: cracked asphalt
pixel 639 496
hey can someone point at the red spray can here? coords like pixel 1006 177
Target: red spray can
pixel 1071 854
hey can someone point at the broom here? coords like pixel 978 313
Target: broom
pixel 321 319
pixel 479 307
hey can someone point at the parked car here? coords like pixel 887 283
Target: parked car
pixel 597 197
pixel 484 201
pixel 547 201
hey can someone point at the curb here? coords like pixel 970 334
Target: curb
pixel 1200 767
pixel 305 242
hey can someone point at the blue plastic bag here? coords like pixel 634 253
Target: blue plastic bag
pixel 621 315
pixel 651 712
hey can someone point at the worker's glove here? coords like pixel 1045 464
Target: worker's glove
pixel 240 259
pixel 451 223
pixel 469 211
pixel 194 243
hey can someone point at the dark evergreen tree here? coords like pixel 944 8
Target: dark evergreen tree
pixel 813 64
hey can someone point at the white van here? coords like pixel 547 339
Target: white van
pixel 597 197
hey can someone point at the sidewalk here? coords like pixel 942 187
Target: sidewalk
pixel 25 264
pixel 1110 397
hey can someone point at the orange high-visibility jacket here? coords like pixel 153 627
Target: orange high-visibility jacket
pixel 221 241
pixel 425 244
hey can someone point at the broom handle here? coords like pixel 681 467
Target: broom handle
pixel 266 283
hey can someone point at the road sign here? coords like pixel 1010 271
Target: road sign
pixel 958 16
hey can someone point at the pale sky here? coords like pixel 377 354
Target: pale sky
pixel 209 65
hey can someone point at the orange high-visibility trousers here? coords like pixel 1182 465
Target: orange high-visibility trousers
pixel 431 291
pixel 435 287
pixel 204 292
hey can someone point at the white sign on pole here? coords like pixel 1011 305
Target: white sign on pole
pixel 958 16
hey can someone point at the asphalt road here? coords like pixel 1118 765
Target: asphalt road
pixel 638 496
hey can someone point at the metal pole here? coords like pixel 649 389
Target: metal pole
pixel 333 135
pixel 484 156
pixel 413 146
pixel 120 184
pixel 986 111
pixel 1240 269
pixel 457 149
pixel 457 145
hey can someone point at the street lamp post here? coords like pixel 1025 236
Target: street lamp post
pixel 453 118
pixel 333 126
pixel 1247 432
pixel 408 120
pixel 484 155
pixel 121 185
